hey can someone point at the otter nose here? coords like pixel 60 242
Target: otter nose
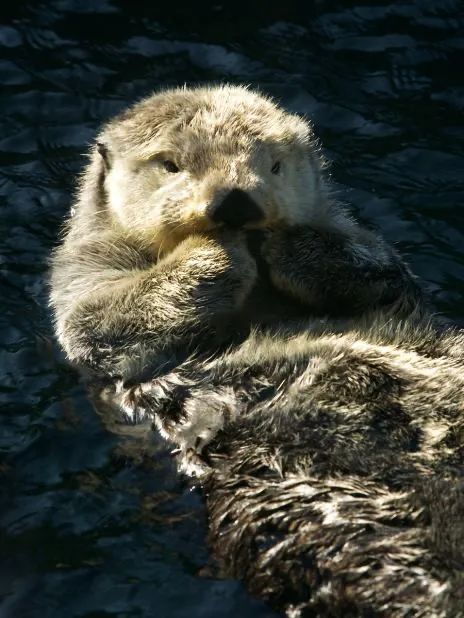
pixel 237 209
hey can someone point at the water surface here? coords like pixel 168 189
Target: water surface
pixel 92 525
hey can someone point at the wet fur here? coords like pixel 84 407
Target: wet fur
pixel 329 448
pixel 335 486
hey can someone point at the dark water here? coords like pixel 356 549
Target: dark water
pixel 90 525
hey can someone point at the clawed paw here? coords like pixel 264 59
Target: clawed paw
pixel 192 463
pixel 132 404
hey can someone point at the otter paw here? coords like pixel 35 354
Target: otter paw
pixel 223 262
pixel 192 464
pixel 242 269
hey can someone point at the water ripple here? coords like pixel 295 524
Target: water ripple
pixel 96 524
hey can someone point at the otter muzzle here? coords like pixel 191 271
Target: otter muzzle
pixel 237 209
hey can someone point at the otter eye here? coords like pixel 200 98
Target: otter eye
pixel 275 169
pixel 170 167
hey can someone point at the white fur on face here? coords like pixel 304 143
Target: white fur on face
pixel 218 144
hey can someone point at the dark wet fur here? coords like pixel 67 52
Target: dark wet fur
pixel 338 491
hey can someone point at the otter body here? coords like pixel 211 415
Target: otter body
pixel 209 276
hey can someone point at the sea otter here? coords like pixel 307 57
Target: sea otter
pixel 209 277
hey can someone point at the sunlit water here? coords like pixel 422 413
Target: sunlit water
pixel 90 525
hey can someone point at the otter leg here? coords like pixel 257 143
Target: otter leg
pixel 187 412
pixel 340 271
pixel 141 316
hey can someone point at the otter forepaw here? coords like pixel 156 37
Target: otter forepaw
pixel 192 463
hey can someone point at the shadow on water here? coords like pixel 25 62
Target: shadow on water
pixel 91 526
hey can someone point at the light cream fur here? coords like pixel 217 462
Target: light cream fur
pixel 220 139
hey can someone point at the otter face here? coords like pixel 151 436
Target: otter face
pixel 190 160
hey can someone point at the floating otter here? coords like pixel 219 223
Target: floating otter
pixel 209 276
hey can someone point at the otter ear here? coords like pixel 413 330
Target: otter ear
pixel 105 154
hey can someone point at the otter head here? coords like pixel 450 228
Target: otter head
pixel 189 160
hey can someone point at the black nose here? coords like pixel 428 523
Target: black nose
pixel 237 209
